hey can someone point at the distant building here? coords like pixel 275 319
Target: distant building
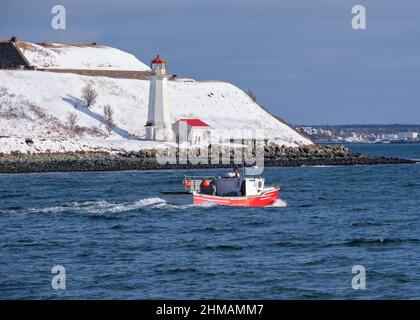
pixel 407 135
pixel 388 136
pixel 194 131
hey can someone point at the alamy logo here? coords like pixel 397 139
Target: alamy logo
pixel 359 280
pixel 359 20
pixel 59 280
pixel 246 148
pixel 58 22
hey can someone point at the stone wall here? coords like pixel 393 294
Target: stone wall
pixel 10 58
pixel 142 75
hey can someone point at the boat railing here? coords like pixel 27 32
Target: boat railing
pixel 199 177
pixel 192 183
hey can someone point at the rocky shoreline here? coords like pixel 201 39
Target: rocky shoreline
pixel 146 160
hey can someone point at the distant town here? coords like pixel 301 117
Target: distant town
pixel 394 133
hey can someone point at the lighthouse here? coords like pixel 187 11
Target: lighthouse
pixel 158 126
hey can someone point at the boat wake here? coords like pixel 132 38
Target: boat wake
pixel 279 203
pixel 98 207
pixel 105 207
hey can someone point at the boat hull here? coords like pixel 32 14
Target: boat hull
pixel 263 200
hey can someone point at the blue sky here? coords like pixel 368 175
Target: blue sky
pixel 301 57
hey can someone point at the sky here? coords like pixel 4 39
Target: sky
pixel 301 58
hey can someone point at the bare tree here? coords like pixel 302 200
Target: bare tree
pixel 109 121
pixel 89 95
pixel 72 122
pixel 252 95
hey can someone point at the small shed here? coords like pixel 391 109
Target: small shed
pixel 194 131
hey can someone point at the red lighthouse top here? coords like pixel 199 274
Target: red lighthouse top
pixel 158 60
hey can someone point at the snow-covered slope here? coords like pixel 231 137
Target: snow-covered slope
pixel 87 57
pixel 37 104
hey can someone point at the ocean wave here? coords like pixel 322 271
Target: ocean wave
pixel 223 247
pixel 366 224
pixel 380 241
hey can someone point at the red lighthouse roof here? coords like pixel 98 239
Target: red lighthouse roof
pixel 158 60
pixel 195 122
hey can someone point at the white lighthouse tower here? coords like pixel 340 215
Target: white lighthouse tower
pixel 158 126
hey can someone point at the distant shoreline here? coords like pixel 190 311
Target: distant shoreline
pixel 363 134
pixel 370 143
pixel 99 161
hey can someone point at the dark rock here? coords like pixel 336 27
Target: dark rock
pixel 146 160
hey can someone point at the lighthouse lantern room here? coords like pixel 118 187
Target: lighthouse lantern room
pixel 159 65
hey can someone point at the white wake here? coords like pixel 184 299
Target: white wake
pixel 101 206
pixel 279 203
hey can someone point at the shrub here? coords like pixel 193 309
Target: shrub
pixel 3 91
pixel 89 95
pixel 72 122
pixel 109 121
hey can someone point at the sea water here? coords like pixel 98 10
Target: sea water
pixel 118 237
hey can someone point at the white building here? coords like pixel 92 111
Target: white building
pixel 388 136
pixel 407 135
pixel 158 126
pixel 194 131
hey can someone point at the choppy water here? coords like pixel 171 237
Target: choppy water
pixel 118 237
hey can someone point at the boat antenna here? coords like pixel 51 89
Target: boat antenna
pixel 243 165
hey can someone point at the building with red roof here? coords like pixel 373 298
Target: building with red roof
pixel 194 122
pixel 192 130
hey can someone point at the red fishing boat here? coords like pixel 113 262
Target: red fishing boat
pixel 233 189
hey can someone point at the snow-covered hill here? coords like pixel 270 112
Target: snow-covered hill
pixel 87 57
pixel 36 105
